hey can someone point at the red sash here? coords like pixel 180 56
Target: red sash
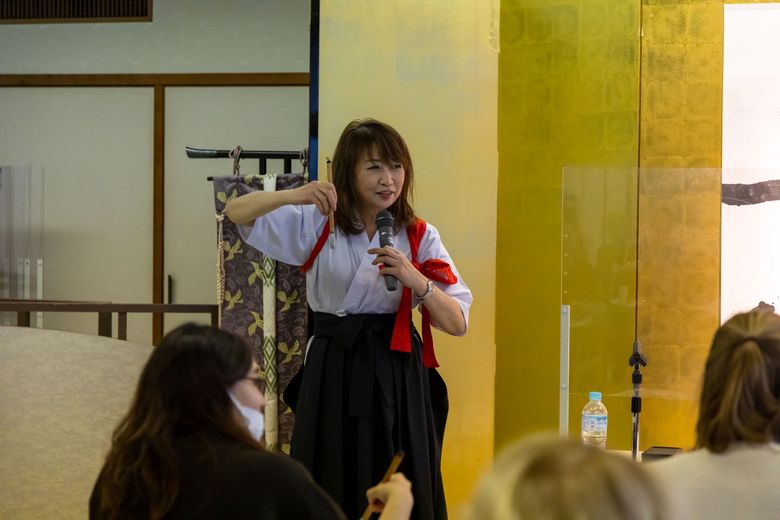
pixel 434 269
pixel 317 247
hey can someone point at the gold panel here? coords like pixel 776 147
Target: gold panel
pixel 568 96
pixel 430 70
pixel 573 97
pixel 679 295
pixel 679 268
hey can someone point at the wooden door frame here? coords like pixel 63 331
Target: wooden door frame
pixel 158 82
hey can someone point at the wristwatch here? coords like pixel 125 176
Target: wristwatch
pixel 427 293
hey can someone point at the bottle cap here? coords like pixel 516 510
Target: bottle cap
pixel 594 396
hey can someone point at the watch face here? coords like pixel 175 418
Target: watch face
pixel 427 292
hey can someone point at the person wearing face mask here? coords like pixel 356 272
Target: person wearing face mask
pixel 189 446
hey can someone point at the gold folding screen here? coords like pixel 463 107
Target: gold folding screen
pixel 625 84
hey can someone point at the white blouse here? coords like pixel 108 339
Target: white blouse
pixel 740 483
pixel 343 280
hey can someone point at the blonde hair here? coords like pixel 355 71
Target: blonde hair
pixel 551 478
pixel 740 396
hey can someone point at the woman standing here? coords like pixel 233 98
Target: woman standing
pixel 369 387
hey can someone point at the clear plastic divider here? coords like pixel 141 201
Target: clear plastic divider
pixel 640 260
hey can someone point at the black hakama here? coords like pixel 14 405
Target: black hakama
pixel 357 403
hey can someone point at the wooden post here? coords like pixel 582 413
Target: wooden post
pixel 104 324
pixel 22 318
pixel 122 325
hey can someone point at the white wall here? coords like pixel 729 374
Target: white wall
pixel 95 149
pixel 184 36
pixel 750 251
pixel 95 144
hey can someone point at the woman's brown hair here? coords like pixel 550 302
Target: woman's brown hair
pixel 740 396
pixel 363 136
pixel 182 391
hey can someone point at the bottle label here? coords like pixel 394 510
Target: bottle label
pixel 594 424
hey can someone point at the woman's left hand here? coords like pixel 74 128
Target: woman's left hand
pixel 396 263
pixel 445 310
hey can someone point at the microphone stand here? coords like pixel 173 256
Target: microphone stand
pixel 636 360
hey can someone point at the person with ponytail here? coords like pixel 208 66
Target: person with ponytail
pixel 734 472
pixel 189 446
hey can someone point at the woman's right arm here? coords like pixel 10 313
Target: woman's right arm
pixel 246 208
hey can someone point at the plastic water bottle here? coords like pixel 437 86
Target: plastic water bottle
pixel 594 422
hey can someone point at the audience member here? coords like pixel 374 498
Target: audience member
pixel 546 477
pixel 189 447
pixel 734 472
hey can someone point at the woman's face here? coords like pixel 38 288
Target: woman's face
pixel 247 391
pixel 378 183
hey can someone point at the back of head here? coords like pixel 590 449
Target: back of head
pixel 550 478
pixel 741 388
pixel 184 383
pixel 182 391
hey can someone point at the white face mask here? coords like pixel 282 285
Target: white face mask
pixel 255 422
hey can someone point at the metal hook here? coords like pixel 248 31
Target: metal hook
pixel 235 153
pixel 303 156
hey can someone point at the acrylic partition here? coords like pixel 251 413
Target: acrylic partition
pixel 21 242
pixel 640 260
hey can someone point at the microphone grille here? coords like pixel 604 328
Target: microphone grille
pixel 384 219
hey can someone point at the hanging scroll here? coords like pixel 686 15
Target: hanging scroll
pixel 263 301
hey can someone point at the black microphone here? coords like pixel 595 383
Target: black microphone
pixel 384 226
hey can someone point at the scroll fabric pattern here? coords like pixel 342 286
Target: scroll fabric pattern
pixel 278 350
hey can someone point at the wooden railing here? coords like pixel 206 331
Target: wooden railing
pixel 104 310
